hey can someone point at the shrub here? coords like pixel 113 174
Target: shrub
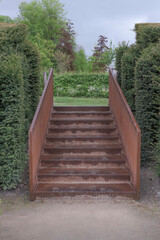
pixel 12 145
pixel 128 62
pixel 157 152
pixel 147 33
pixel 119 54
pixel 19 95
pixel 31 74
pixel 81 84
pixel 147 85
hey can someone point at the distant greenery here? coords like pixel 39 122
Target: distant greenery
pixel 54 36
pixel 74 101
pixel 81 85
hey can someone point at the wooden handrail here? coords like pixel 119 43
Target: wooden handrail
pixel 37 131
pixel 128 128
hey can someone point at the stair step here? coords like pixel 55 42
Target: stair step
pixel 81 140
pixel 68 189
pixel 74 121
pixel 50 160
pixel 114 149
pixel 81 108
pixel 83 174
pixel 92 130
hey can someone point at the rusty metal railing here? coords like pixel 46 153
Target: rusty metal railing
pixel 128 128
pixel 37 131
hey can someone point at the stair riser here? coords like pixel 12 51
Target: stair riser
pixel 83 142
pixel 86 179
pixel 80 123
pixel 79 152
pixel 82 164
pixel 98 116
pixel 90 132
pixel 81 108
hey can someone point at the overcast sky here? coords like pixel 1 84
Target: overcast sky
pixel 111 18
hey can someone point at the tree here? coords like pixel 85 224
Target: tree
pixel 102 55
pixel 50 32
pixel 45 19
pixel 6 19
pixel 67 43
pixel 81 62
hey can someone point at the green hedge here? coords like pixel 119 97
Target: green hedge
pixel 128 62
pixel 19 96
pixel 157 151
pixel 12 142
pixel 81 84
pixel 31 74
pixel 147 33
pixel 147 86
pixel 122 48
pixel 11 35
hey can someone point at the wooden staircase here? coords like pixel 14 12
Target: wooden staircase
pixel 83 154
pixel 84 150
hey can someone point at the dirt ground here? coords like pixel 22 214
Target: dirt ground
pixel 83 218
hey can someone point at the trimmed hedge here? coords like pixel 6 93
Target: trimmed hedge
pixel 12 147
pixel 81 84
pixel 147 33
pixel 122 48
pixel 19 96
pixel 31 74
pixel 147 86
pixel 157 151
pixel 128 62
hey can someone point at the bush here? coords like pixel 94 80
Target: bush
pixel 157 152
pixel 119 54
pixel 19 96
pixel 81 84
pixel 31 74
pixel 147 33
pixel 147 85
pixel 12 147
pixel 128 62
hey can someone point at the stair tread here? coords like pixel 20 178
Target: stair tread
pixel 83 127
pixel 82 120
pixel 83 187
pixel 109 158
pixel 82 171
pixel 108 136
pixel 108 146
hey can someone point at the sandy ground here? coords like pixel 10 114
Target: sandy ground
pixel 83 217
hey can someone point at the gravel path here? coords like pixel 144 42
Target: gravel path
pixel 85 217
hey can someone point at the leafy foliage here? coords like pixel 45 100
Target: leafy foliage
pixel 102 55
pixel 67 43
pixel 81 61
pixel 128 62
pixel 12 147
pixel 119 54
pixel 6 19
pixel 19 95
pixel 147 85
pixel 147 33
pixel 81 85
pixel 157 152
pixel 50 32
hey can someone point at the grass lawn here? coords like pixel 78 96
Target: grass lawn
pixel 64 101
